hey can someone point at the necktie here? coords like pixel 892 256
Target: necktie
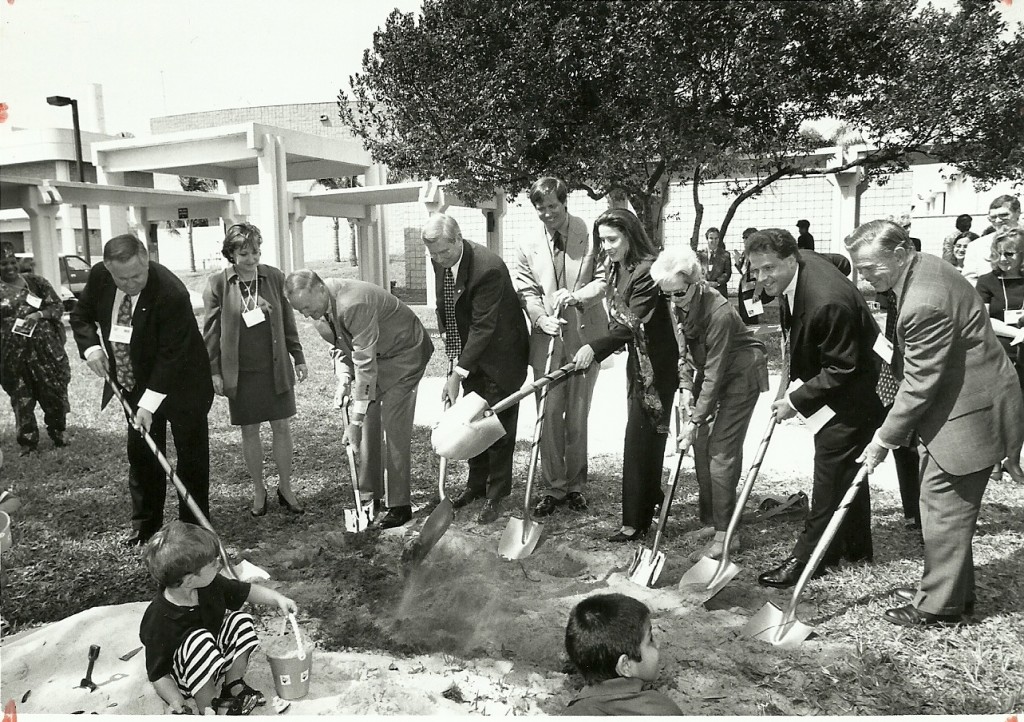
pixel 558 258
pixel 785 321
pixel 452 340
pixel 887 383
pixel 122 351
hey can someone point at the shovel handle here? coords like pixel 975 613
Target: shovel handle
pixel 178 484
pixel 555 377
pixel 442 471
pixel 353 470
pixel 535 446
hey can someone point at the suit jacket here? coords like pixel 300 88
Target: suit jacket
pixel 958 390
pixel 717 269
pixel 584 277
pixel 488 318
pixel 166 351
pixel 382 340
pixel 831 337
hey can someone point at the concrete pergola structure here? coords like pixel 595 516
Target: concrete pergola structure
pixel 41 200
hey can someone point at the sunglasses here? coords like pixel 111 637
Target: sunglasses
pixel 676 295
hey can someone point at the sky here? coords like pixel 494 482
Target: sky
pixel 163 57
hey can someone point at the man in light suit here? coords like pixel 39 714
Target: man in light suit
pixel 562 289
pixel 830 333
pixel 486 334
pixel 381 351
pixel 958 396
pixel 149 343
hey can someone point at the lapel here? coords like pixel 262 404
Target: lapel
pixel 464 268
pixel 799 307
pixel 342 336
pixel 144 307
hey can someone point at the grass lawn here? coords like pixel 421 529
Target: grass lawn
pixel 66 559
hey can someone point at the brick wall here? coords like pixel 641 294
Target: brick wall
pixel 300 116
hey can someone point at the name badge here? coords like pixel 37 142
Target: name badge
pixel 35 302
pixel 121 334
pixel 754 306
pixel 23 327
pixel 1013 317
pixel 254 317
pixel 883 347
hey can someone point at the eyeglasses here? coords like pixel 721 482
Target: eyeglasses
pixel 676 295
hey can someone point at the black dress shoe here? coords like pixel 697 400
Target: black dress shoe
pixel 492 507
pixel 575 501
pixel 293 508
pixel 619 537
pixel 546 506
pixel 396 516
pixel 136 541
pixel 262 510
pixel 911 616
pixel 26 450
pixel 907 594
pixel 466 497
pixel 788 574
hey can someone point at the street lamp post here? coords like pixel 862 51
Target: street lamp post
pixel 61 100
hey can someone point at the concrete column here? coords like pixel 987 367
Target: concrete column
pixel 373 252
pixel 845 205
pixel 295 225
pixel 42 222
pixel 113 219
pixel 495 224
pixel 273 216
pixel 138 223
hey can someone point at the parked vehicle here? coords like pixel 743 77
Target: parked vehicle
pixel 74 272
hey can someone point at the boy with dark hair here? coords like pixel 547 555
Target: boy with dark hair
pixel 610 642
pixel 192 631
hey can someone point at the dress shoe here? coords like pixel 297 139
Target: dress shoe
pixel 293 508
pixel 490 512
pixel 576 501
pixel 546 506
pixel 26 450
pixel 261 510
pixel 911 616
pixel 138 540
pixel 997 472
pixel 466 497
pixel 620 536
pixel 788 574
pixel 396 516
pixel 58 439
pixel 907 594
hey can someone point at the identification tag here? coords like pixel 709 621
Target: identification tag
pixel 754 306
pixel 35 302
pixel 1013 317
pixel 24 327
pixel 121 334
pixel 883 347
pixel 254 317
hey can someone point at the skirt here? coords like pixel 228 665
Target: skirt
pixel 255 400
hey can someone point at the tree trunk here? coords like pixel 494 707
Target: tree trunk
pixel 337 240
pixel 353 259
pixel 648 209
pixel 698 209
pixel 191 249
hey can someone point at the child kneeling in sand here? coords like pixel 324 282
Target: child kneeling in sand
pixel 609 640
pixel 192 631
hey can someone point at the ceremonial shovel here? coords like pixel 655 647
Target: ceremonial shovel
pixel 783 629
pixel 360 518
pixel 521 535
pixel 245 570
pixel 470 426
pixel 647 563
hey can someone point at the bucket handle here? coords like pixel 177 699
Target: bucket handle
pixel 290 619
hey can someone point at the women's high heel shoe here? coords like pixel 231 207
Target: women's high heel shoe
pixel 619 537
pixel 293 508
pixel 262 510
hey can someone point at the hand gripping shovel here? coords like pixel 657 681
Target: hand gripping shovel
pixel 521 535
pixel 469 427
pixel 783 629
pixel 245 570
pixel 361 517
pixel 647 563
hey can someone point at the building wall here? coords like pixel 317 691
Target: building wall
pixel 301 116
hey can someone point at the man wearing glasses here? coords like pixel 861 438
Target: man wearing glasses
pixel 1003 213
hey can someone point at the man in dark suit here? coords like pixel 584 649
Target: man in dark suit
pixel 830 334
pixel 486 335
pixel 957 396
pixel 148 341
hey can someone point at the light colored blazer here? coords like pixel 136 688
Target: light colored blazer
pixel 534 277
pixel 958 390
pixel 381 339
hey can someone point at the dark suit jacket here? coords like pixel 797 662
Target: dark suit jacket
pixel 831 337
pixel 717 269
pixel 167 350
pixel 488 316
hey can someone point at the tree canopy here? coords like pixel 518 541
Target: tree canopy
pixel 624 97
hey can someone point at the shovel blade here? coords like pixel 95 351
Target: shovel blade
pixel 768 626
pixel 357 520
pixel 465 430
pixel 519 539
pixel 432 530
pixel 646 567
pixel 705 579
pixel 248 572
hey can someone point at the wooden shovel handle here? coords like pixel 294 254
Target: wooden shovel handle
pixel 555 377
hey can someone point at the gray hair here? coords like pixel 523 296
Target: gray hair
pixel 124 248
pixel 441 226
pixel 884 235
pixel 302 280
pixel 672 261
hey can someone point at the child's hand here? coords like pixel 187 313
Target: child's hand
pixel 286 605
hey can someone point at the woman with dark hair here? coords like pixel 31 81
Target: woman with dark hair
pixel 716 262
pixel 639 318
pixel 33 364
pixel 252 340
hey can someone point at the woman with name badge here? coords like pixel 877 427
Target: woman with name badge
pixel 252 340
pixel 33 364
pixel 1002 290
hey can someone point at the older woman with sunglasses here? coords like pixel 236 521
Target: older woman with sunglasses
pixel 722 371
pixel 639 319
pixel 252 340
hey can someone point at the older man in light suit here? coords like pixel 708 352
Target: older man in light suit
pixel 382 350
pixel 561 288
pixel 957 395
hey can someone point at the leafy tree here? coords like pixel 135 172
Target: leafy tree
pixel 193 185
pixel 333 184
pixel 620 97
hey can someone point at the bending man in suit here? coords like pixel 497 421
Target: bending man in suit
pixel 381 351
pixel 830 333
pixel 148 341
pixel 485 332
pixel 957 395
pixel 561 288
